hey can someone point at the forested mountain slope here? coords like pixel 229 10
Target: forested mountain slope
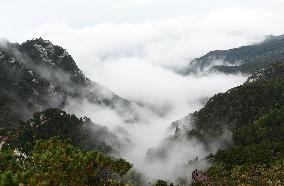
pixel 253 112
pixel 245 59
pixel 39 143
pixel 82 132
pixel 37 75
pixel 238 106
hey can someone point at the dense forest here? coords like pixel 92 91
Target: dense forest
pixel 41 144
pixel 254 114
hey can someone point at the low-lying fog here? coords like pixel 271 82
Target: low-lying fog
pixel 141 64
pixel 167 97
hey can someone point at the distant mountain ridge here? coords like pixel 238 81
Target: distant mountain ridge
pixel 245 59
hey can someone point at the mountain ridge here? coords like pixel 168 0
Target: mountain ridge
pixel 244 59
pixel 48 77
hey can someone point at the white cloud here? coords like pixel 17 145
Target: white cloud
pixel 135 3
pixel 169 42
pixel 18 18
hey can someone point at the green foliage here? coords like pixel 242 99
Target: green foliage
pixel 198 184
pixel 55 162
pixel 258 142
pixel 10 161
pixel 162 183
pixel 268 127
pixel 261 153
pixel 136 178
pixel 254 113
pixel 257 174
pixel 241 105
pixel 8 179
pixel 257 158
pixel 238 106
pixel 81 133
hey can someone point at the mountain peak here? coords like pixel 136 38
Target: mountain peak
pixel 45 53
pixel 39 40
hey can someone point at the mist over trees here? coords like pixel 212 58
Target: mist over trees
pixel 236 138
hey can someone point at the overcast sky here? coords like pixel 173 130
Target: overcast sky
pixel 19 18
